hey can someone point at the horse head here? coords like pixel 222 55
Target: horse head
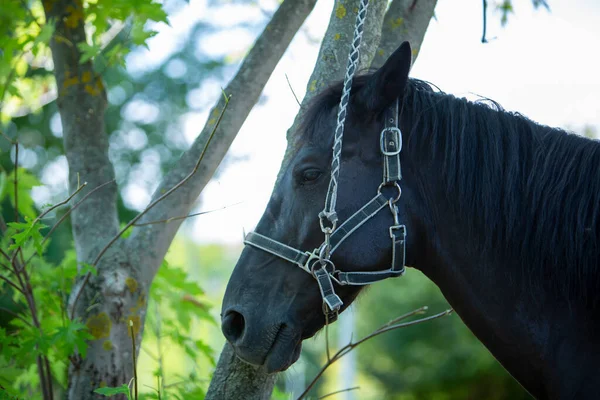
pixel 271 304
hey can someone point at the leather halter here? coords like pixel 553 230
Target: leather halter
pixel 317 263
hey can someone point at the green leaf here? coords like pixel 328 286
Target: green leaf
pixel 45 33
pixel 109 391
pixel 85 268
pixel 2 183
pixel 30 229
pixel 73 335
pixel 88 51
pixel 26 182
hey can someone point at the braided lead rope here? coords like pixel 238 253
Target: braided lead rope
pixel 353 59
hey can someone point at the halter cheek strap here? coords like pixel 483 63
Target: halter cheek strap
pixel 318 262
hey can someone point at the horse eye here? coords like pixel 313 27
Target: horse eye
pixel 311 174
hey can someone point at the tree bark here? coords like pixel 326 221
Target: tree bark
pixel 405 20
pixel 234 379
pixel 81 103
pixel 119 292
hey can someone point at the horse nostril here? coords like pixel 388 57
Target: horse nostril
pixel 233 326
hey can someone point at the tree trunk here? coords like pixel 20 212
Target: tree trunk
pixel 117 296
pixel 382 35
pixel 235 379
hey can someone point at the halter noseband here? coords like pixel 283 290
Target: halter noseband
pixel 318 262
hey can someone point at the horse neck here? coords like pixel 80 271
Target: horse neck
pixel 515 318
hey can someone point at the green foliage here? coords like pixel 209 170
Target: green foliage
pixel 72 336
pixel 26 181
pixel 25 39
pixel 505 8
pixel 30 229
pixel 109 392
pixel 54 337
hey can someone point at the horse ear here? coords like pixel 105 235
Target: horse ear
pixel 388 82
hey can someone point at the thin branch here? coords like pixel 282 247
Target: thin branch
pixel 42 215
pixel 11 283
pixel 483 38
pixel 4 135
pixel 16 183
pixel 171 219
pixel 16 315
pixel 149 207
pixel 404 325
pixel 49 374
pixel 5 255
pixel 292 89
pixel 69 211
pixel 60 204
pixel 133 351
pixel 421 310
pixel 43 382
pixel 384 328
pixel 157 332
pixel 338 392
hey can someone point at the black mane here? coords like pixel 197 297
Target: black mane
pixel 531 191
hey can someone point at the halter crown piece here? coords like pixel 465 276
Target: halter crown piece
pixel 318 262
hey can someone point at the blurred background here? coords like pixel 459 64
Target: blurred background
pixel 541 63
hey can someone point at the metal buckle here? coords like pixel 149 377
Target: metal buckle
pixel 312 256
pixel 401 228
pixel 397 139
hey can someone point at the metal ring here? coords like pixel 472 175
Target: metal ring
pixel 322 264
pixel 384 184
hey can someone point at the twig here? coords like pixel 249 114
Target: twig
pixel 292 89
pixel 61 203
pixel 4 135
pixel 42 215
pixel 49 374
pixel 16 182
pixel 404 325
pixel 421 310
pixel 171 219
pixel 42 374
pixel 11 283
pixel 69 211
pixel 338 392
pixel 159 347
pixel 16 316
pixel 155 202
pixel 483 38
pixel 135 378
pixel 384 328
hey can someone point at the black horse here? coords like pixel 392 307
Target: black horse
pixel 502 214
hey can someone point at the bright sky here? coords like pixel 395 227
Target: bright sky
pixel 541 64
